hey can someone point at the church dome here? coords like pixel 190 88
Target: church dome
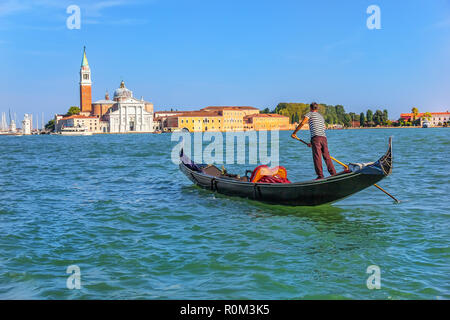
pixel 122 93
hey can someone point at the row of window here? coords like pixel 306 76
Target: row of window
pixel 207 120
pixel 204 121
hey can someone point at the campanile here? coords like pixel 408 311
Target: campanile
pixel 85 85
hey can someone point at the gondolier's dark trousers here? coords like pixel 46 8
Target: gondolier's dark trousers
pixel 320 148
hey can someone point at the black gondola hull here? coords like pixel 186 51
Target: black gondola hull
pixel 309 193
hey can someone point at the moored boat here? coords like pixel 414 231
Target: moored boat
pixel 75 131
pixel 357 177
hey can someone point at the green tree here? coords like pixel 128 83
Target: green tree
pixel 427 116
pixel 73 110
pixel 290 109
pixel 353 117
pixel 50 126
pixel 369 117
pixel 332 114
pixel 385 116
pixel 265 110
pixel 346 120
pixel 340 113
pixel 378 118
pixel 415 112
pixel 362 119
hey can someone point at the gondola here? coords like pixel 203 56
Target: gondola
pixel 356 177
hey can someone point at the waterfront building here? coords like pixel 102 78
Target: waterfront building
pixel 222 119
pixel 436 119
pixel 88 123
pixel 165 114
pixel 245 109
pixel 27 124
pixel 160 121
pixel 267 122
pixel 128 114
pixel 195 121
pixel 233 116
pixel 101 107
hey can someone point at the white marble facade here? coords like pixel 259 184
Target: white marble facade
pixel 129 114
pixel 129 117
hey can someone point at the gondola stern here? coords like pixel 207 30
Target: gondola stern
pixel 386 161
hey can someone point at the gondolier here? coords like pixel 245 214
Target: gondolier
pixel 319 142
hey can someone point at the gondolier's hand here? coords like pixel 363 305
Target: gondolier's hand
pixel 309 145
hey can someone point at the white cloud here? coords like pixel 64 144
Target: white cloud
pixel 12 6
pixel 89 8
pixel 95 9
pixel 441 24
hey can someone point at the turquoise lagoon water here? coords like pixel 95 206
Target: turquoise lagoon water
pixel 117 207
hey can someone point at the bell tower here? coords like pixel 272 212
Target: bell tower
pixel 85 85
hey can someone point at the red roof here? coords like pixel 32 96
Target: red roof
pixel 196 114
pixel 266 115
pixel 79 116
pixel 420 114
pixel 230 108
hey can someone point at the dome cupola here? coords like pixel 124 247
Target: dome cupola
pixel 122 93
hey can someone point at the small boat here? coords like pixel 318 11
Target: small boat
pixel 356 177
pixel 75 131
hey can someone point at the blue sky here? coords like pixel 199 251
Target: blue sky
pixel 191 54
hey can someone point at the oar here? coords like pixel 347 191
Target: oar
pixel 346 167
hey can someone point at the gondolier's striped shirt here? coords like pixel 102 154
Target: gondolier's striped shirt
pixel 316 124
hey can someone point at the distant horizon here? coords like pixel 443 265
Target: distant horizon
pixel 188 56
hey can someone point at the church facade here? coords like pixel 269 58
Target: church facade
pixel 128 114
pixel 123 114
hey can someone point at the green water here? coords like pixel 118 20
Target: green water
pixel 117 207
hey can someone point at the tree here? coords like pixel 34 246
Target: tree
pixel 362 119
pixel 330 115
pixel 340 112
pixel 50 126
pixel 347 120
pixel 378 118
pixel 265 110
pixel 427 116
pixel 369 116
pixel 385 116
pixel 415 112
pixel 73 110
pixel 353 116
